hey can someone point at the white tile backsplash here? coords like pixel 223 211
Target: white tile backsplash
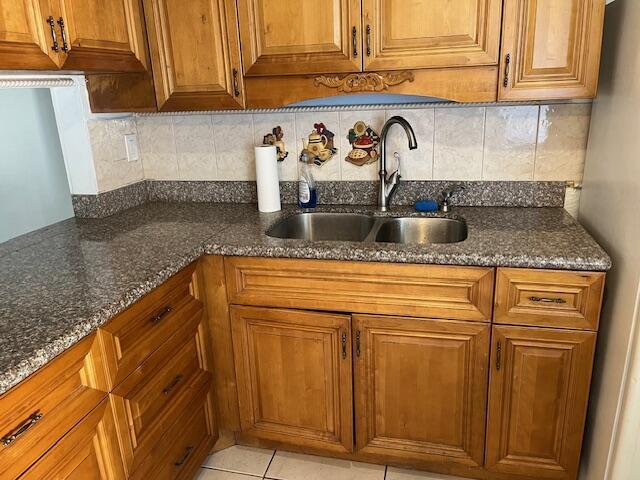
pixel 522 142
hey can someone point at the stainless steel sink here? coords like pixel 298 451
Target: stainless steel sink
pixel 421 230
pixel 352 227
pixel 356 227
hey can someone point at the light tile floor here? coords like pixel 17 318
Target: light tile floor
pixel 247 463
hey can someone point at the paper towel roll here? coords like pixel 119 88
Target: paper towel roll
pixel 267 178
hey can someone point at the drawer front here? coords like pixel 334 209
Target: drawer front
pixel 42 409
pixel 89 451
pixel 163 385
pixel 433 291
pixel 548 298
pixel 186 440
pixel 132 336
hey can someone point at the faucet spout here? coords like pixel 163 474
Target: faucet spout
pixel 389 183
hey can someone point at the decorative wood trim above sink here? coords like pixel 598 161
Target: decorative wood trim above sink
pixel 364 82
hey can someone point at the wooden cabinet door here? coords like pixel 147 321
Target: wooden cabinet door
pixel 538 396
pixel 294 376
pixel 26 39
pixel 103 36
pixel 195 54
pixel 89 451
pixel 550 49
pixel 281 37
pixel 421 389
pixel 407 34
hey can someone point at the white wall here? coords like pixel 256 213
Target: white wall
pixel 34 191
pixel 610 210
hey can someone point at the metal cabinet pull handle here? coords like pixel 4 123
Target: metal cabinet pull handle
pixel 236 87
pixel 174 383
pixel 368 40
pixel 357 343
pixel 52 23
pixel 499 355
pixel 354 41
pixel 185 457
pixel 158 318
pixel 65 43
pixel 344 345
pixel 507 63
pixel 547 300
pixel 30 422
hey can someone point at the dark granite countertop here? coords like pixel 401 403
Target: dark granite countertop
pixel 59 284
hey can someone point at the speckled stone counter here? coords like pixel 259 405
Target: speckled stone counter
pixel 59 284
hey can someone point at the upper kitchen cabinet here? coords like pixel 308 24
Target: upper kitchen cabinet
pixel 106 36
pixel 73 35
pixel 408 34
pixel 551 49
pixel 281 37
pixel 27 40
pixel 195 52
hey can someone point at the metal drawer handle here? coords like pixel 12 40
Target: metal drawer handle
pixel 354 41
pixel 344 345
pixel 547 300
pixel 65 42
pixel 158 318
pixel 368 40
pixel 52 23
pixel 30 422
pixel 185 457
pixel 236 85
pixel 507 63
pixel 357 343
pixel 174 383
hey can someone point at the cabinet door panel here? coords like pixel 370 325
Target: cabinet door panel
pixel 25 37
pixel 551 49
pixel 421 388
pixel 195 53
pixel 297 36
pixel 294 376
pixel 403 34
pixel 104 36
pixel 538 396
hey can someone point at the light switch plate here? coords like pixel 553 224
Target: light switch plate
pixel 131 144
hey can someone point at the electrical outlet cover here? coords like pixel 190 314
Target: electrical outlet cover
pixel 131 144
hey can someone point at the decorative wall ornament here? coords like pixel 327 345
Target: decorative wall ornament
pixel 275 138
pixel 364 82
pixel 320 144
pixel 364 141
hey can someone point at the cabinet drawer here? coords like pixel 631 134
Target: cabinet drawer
pixel 186 440
pixel 132 336
pixel 89 451
pixel 548 298
pixel 42 409
pixel 161 387
pixel 432 291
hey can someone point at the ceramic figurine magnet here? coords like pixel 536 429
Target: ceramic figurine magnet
pixel 275 138
pixel 320 144
pixel 364 141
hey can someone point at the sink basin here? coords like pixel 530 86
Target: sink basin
pixel 352 227
pixel 421 230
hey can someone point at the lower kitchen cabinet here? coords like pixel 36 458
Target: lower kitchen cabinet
pixel 420 388
pixel 89 451
pixel 538 396
pixel 294 376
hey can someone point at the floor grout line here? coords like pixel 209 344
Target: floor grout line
pixel 264 475
pixel 386 467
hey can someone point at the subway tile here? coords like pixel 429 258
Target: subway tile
pixel 510 143
pixel 375 120
pixel 563 132
pixel 416 164
pixel 459 135
pixel 233 136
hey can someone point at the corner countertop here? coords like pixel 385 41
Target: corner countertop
pixel 60 283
